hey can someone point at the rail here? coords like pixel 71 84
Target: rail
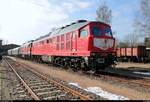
pixel 74 92
pixel 29 90
pixel 45 77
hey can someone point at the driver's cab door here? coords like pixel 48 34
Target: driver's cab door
pixel 83 39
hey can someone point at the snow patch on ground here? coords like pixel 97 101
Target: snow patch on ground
pixel 75 84
pixel 11 58
pixel 143 73
pixel 100 92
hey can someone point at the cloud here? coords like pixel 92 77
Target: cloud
pixel 22 20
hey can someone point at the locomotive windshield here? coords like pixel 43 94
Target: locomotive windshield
pixel 108 32
pixel 96 31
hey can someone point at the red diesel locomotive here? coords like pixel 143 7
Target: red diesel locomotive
pixel 88 45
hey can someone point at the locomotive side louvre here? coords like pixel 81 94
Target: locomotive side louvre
pixel 64 43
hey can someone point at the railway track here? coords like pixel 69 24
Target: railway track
pixel 126 79
pixel 42 87
pixel 123 78
pixel 137 83
pixel 13 86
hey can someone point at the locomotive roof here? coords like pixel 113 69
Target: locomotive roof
pixel 73 26
pixel 63 30
pixel 41 37
pixel 69 28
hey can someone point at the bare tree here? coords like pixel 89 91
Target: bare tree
pixel 104 14
pixel 145 9
pixel 141 24
pixel 131 40
pixel 142 19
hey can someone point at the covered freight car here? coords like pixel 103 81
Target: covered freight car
pixel 9 52
pixel 16 51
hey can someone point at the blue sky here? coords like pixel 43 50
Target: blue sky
pixel 123 12
pixel 24 20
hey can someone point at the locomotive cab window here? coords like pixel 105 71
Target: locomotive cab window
pixel 96 31
pixel 83 33
pixel 47 41
pixel 108 32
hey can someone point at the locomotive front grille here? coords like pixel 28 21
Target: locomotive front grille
pixel 100 60
pixel 103 44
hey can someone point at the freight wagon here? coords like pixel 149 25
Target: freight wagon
pixel 134 54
